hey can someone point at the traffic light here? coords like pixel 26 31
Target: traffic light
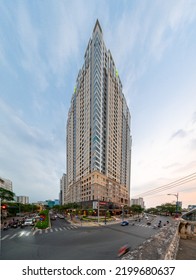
pixel 3 207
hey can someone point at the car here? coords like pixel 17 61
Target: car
pixel 53 218
pixel 60 216
pixel 29 222
pixel 124 223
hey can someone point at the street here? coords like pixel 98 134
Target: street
pixel 64 241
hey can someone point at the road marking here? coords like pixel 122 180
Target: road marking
pixel 13 236
pixel 39 231
pixel 35 231
pixel 64 228
pixel 5 237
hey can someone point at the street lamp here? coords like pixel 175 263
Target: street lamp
pixel 122 212
pixel 176 195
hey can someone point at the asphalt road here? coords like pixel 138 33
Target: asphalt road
pixel 67 242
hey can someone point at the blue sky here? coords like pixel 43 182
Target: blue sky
pixel 42 46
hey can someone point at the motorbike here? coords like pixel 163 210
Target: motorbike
pixel 123 250
pixel 5 227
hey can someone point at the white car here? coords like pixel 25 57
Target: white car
pixel 29 222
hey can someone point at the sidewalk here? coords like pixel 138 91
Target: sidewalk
pixel 187 249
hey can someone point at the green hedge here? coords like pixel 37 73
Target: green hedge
pixel 92 219
pixel 45 223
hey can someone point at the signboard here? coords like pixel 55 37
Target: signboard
pixel 95 204
pixel 102 203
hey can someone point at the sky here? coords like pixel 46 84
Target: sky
pixel 153 44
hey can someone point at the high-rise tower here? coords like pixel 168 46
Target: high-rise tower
pixel 98 131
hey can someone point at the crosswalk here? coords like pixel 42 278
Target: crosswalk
pixel 143 225
pixel 36 232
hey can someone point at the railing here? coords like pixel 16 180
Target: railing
pixel 187 229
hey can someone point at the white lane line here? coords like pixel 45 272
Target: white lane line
pixel 13 235
pixel 3 238
pixel 56 229
pixel 35 232
pixel 21 234
pixel 74 227
pixel 51 230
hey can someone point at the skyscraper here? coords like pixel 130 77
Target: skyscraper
pixel 98 131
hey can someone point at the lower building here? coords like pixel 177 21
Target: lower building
pixel 63 189
pixel 137 201
pixel 96 186
pixel 22 199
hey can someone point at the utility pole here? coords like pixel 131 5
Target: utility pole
pixel 176 195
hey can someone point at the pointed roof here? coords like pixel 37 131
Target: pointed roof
pixel 97 26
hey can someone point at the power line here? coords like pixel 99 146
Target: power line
pixel 173 184
pixel 169 186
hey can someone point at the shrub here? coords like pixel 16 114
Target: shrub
pixel 45 223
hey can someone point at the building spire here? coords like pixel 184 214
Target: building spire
pixel 97 26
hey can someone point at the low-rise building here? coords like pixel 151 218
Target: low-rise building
pixel 137 201
pixel 22 199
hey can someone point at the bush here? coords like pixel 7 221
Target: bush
pixel 45 223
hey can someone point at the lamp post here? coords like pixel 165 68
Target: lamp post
pixel 176 195
pixel 122 212
pixel 98 206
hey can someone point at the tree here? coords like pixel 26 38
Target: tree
pixel 166 208
pixel 136 209
pixel 6 195
pixel 152 210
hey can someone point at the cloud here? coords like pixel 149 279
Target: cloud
pixel 193 144
pixel 179 133
pixel 171 166
pixel 35 157
pixel 194 118
pixel 29 41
